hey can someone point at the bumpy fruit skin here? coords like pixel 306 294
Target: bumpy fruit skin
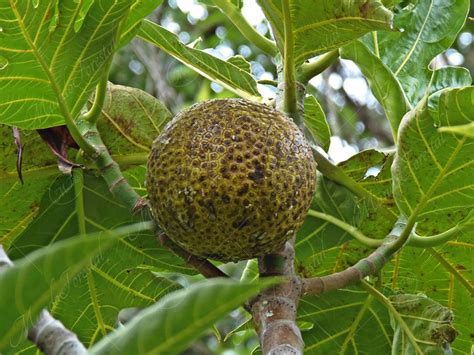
pixel 230 179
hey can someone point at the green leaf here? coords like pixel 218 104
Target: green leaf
pixel 429 28
pixel 160 329
pixel 139 10
pixel 240 62
pixel 432 171
pixel 21 201
pixel 320 28
pixel 466 129
pixel 442 78
pixel 346 321
pixel 131 119
pixel 317 243
pixel 383 83
pixel 46 74
pixel 212 68
pixel 120 278
pixel 430 322
pixel 28 286
pixel 315 121
pixel 273 14
pixel 443 274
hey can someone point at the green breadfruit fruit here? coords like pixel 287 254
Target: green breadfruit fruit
pixel 230 179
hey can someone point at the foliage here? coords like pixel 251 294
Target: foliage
pixel 80 253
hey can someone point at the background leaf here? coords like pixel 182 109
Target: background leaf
pixel 315 121
pixel 131 120
pixel 21 201
pixel 383 84
pixel 138 11
pixel 430 322
pixel 323 27
pixel 215 69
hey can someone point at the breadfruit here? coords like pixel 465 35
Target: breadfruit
pixel 230 179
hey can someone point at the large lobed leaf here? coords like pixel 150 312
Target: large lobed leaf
pixel 347 321
pixel 319 240
pixel 49 65
pixel 432 171
pixel 320 27
pixel 30 284
pixel 425 30
pixel 119 278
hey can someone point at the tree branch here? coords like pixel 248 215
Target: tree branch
pixel 52 337
pixel 363 268
pixel 274 310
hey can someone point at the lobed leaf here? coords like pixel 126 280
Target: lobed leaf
pixel 432 171
pixel 121 277
pixel 323 27
pixel 347 321
pixel 29 285
pixel 425 30
pixel 49 68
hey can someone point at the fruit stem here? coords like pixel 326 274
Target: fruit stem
pixel 204 266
